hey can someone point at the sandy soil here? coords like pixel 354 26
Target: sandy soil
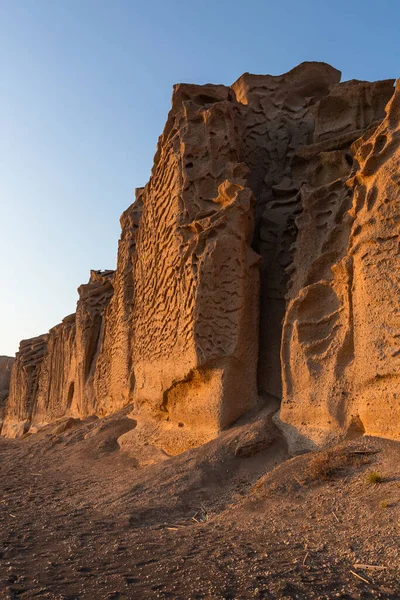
pixel 81 519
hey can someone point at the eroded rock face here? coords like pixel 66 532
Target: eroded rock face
pixel 6 363
pixel 272 203
pixel 340 346
pixel 195 310
pixel 278 115
pixel 24 385
pixel 53 374
pixel 114 378
pixel 94 298
pixel 56 373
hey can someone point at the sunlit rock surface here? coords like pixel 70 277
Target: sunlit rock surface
pixel 258 265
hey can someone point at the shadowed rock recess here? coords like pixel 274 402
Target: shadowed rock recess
pixel 259 265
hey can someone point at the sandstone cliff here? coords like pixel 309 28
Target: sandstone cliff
pixel 271 201
pixel 195 310
pixel 53 374
pixel 341 338
pixel 6 363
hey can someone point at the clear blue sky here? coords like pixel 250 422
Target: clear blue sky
pixel 85 90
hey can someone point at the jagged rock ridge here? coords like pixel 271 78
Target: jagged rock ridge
pixel 274 200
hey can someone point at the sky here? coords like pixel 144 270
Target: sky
pixel 85 88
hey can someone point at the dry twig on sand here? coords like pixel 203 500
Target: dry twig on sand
pixel 359 577
pixel 371 567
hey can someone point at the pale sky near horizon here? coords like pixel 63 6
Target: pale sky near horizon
pixel 85 91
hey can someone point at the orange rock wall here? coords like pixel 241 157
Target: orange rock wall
pixel 339 346
pixel 196 278
pixel 258 262
pixel 53 374
pixel 6 363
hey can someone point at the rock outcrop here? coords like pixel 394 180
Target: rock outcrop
pixel 278 115
pixel 341 337
pixel 114 378
pixel 6 363
pixel 259 264
pixel 94 298
pixel 53 374
pixel 24 386
pixel 196 278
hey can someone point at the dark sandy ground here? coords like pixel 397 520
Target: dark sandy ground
pixel 81 519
